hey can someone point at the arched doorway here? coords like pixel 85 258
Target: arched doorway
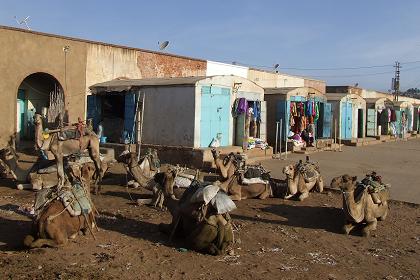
pixel 38 93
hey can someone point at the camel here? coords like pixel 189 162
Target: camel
pixel 8 162
pixel 227 167
pixel 54 225
pixel 359 206
pixel 38 181
pixel 142 172
pixel 202 227
pixel 60 148
pixel 298 184
pixel 239 191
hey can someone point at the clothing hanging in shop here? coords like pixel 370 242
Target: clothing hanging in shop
pixel 393 116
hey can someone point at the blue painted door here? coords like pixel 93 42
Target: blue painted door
pixel 283 113
pixel 327 120
pixel 398 128
pixel 346 120
pixel 94 110
pixel 215 114
pixel 371 122
pixel 21 113
pixel 130 117
pixel 409 114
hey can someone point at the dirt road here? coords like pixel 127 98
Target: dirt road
pixel 397 162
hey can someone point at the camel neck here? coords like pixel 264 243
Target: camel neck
pixel 171 204
pixel 38 134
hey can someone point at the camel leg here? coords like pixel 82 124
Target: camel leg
pixel 320 184
pixel 39 243
pixel 266 193
pixel 24 186
pixel 385 214
pixel 303 195
pixel 369 227
pixel 60 169
pixel 94 155
pixel 348 227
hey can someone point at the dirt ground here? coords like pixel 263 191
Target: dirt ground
pixel 275 239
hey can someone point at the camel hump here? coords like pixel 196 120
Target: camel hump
pixel 308 170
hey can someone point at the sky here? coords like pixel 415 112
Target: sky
pixel 305 37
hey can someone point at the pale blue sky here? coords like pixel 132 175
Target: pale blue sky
pixel 301 34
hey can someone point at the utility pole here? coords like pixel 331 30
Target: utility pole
pixel 396 81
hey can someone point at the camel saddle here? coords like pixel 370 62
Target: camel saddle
pixel 207 193
pixel 74 199
pixel 373 185
pixel 309 170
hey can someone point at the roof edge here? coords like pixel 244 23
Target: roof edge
pixel 96 42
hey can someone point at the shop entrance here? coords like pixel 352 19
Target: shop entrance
pixel 36 94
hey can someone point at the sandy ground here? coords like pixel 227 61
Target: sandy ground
pixel 275 239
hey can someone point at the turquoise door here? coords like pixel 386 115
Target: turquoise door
pixel 346 120
pixel 398 127
pixel 371 122
pixel 215 114
pixel 21 113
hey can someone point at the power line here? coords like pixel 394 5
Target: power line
pixel 321 69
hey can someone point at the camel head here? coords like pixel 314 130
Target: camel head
pixel 345 182
pixel 289 170
pixel 167 180
pixel 127 157
pixel 10 158
pixel 215 153
pixel 37 119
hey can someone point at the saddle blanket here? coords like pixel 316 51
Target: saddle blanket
pixel 75 200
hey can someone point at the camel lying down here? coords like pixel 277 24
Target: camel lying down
pixel 55 227
pixel 203 227
pixel 302 178
pixel 61 213
pixel 361 208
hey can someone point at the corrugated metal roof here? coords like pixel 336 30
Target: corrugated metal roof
pixel 128 84
pixel 339 96
pixel 374 100
pixel 284 90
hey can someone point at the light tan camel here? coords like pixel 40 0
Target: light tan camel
pixel 296 183
pixel 8 162
pixel 143 173
pixel 226 168
pixel 359 206
pixel 202 228
pixel 60 148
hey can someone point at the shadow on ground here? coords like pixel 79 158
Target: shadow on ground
pixel 311 217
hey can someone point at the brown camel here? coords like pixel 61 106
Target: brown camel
pixel 54 226
pixel 200 225
pixel 296 183
pixel 239 191
pixel 38 181
pixel 358 205
pixel 60 148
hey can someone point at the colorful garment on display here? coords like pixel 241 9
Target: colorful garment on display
pixel 316 112
pixel 393 116
pixel 242 106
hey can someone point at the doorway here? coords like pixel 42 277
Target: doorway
pixel 36 94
